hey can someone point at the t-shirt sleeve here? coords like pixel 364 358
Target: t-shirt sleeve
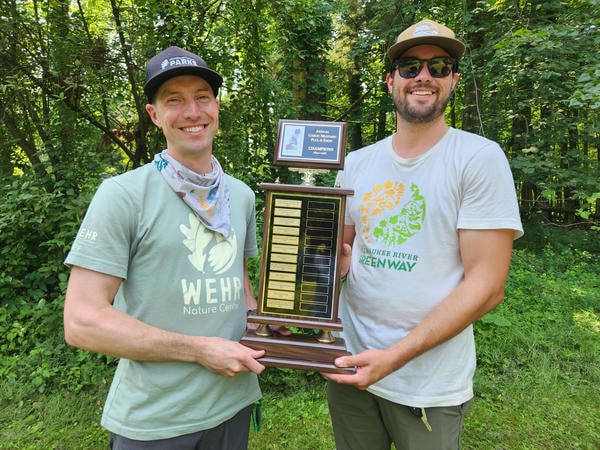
pixel 489 199
pixel 103 242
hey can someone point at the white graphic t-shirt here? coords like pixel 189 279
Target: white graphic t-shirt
pixel 179 276
pixel 405 257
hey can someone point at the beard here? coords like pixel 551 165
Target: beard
pixel 414 114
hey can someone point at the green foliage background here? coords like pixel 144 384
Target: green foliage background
pixel 72 113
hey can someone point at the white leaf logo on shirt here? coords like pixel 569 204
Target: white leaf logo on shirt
pixel 222 255
pixel 206 245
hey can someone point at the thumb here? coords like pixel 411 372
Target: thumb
pixel 257 354
pixel 346 361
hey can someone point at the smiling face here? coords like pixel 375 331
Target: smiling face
pixel 422 99
pixel 187 111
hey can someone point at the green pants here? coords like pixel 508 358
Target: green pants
pixel 363 421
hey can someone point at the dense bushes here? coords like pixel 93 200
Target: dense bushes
pixel 37 226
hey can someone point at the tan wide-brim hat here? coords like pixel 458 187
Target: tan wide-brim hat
pixel 427 32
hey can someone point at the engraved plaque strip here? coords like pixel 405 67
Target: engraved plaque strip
pixel 298 278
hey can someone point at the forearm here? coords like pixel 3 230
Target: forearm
pixel 114 333
pixel 111 332
pixel 461 308
pixel 486 260
pixel 92 323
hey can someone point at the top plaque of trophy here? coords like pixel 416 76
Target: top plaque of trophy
pixel 313 144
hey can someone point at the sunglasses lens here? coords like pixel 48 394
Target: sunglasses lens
pixel 409 68
pixel 439 67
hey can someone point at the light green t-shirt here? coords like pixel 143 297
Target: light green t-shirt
pixel 178 276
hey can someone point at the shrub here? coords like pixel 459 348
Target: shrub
pixel 37 227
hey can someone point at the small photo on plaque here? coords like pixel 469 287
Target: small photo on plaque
pixel 314 144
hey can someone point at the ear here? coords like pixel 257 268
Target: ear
pixel 455 78
pixel 389 80
pixel 153 114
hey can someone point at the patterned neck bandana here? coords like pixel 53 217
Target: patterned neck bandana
pixel 207 195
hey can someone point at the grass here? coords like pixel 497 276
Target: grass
pixel 537 384
pixel 295 421
pixel 54 420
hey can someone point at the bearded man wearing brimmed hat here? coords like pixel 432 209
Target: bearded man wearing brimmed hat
pixel 428 234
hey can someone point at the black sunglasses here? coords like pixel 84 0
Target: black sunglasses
pixel 439 67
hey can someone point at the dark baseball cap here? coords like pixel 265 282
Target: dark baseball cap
pixel 175 61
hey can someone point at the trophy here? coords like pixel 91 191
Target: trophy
pixel 302 245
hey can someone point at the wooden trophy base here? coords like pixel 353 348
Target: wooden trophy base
pixel 298 351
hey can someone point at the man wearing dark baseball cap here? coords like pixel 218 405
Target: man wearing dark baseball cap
pixel 159 279
pixel 429 229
